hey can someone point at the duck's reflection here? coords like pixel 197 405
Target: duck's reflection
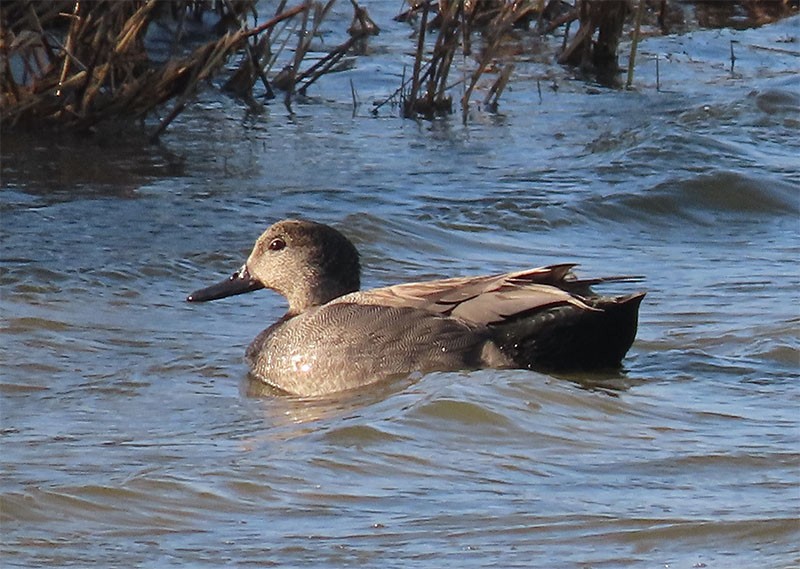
pixel 285 409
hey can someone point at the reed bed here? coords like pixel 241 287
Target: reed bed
pixel 76 63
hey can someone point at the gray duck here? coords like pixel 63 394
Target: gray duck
pixel 336 337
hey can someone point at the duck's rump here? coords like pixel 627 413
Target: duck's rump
pixel 570 338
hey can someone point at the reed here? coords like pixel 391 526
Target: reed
pixel 607 18
pixel 634 43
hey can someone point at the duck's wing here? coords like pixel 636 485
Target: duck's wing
pixel 487 299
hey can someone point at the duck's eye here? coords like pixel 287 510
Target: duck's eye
pixel 276 244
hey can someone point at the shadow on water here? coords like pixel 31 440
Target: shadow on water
pixel 612 382
pixel 69 166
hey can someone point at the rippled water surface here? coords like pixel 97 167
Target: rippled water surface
pixel 132 437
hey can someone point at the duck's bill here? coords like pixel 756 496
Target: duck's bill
pixel 239 282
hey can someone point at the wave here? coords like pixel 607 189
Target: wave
pixel 699 199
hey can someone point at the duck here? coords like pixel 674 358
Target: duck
pixel 335 337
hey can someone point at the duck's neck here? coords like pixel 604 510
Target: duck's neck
pixel 317 296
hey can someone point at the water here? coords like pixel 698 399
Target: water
pixel 133 438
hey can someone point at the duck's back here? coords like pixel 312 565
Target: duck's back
pixel 342 346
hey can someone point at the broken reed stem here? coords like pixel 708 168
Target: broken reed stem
pixel 299 53
pixel 218 53
pixel 255 63
pixel 354 96
pixel 399 92
pixel 446 46
pixel 497 88
pixel 197 75
pixel 324 65
pixel 658 76
pixel 411 97
pixel 634 44
pixel 269 24
pixel 284 43
pixel 302 49
pixel 498 27
pixel 73 27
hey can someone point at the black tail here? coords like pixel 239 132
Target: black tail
pixel 567 338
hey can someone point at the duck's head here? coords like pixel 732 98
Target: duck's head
pixel 309 263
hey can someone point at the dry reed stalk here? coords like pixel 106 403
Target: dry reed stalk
pixel 292 79
pixel 634 43
pixel 410 98
pixel 434 99
pixel 447 44
pixel 497 28
pixel 324 65
pixel 362 25
pixel 497 88
pixel 209 58
pixel 303 43
pixel 607 17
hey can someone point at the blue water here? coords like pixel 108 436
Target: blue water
pixel 132 437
